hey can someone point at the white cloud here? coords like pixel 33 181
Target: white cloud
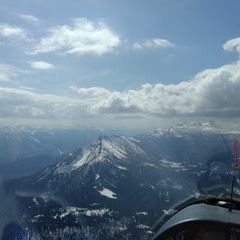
pixel 7 73
pixel 13 32
pixel 213 92
pixel 40 65
pixel 90 92
pixel 154 43
pixel 29 18
pixel 232 45
pixel 80 38
pixel 20 103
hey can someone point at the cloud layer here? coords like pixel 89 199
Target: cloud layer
pixel 21 103
pixel 213 92
pixel 80 38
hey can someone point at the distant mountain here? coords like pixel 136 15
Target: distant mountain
pixel 24 151
pixel 17 143
pixel 119 186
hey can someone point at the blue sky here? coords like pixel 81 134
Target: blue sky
pixel 99 60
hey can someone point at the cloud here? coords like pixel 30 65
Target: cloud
pixel 29 19
pixel 210 93
pixel 80 38
pixel 213 92
pixel 40 65
pixel 232 45
pixel 20 103
pixel 13 32
pixel 154 43
pixel 91 92
pixel 7 72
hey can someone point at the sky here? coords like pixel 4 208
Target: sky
pixel 105 63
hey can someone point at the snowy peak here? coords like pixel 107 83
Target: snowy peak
pixel 120 147
pixel 188 127
pixel 198 125
pixel 105 149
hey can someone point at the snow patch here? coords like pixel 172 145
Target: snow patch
pixel 121 167
pixel 149 164
pixel 153 187
pixel 134 139
pixel 142 226
pixel 96 212
pixel 169 211
pixel 35 218
pixel 80 162
pixel 117 151
pixel 108 193
pixel 177 186
pixel 97 177
pixel 142 213
pixel 177 166
pixel 83 212
pixel 35 201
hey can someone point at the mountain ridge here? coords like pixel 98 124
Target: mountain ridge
pixel 119 177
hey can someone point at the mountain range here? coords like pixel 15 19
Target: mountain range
pixel 118 186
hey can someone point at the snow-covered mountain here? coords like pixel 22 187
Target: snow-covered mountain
pixel 118 186
pixel 24 151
